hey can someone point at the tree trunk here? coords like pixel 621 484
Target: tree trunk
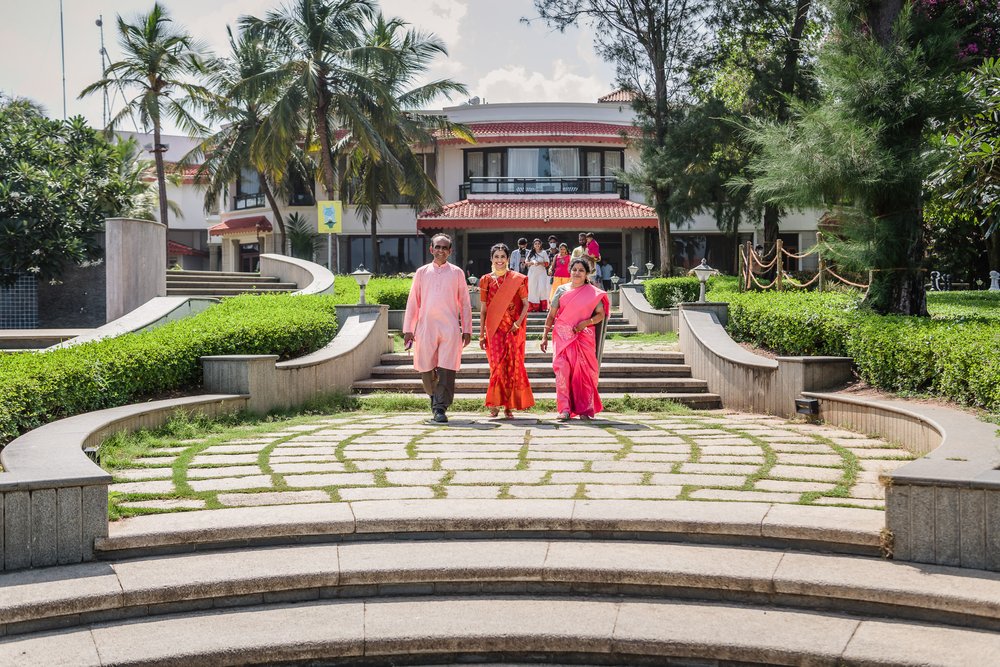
pixel 993 251
pixel 376 267
pixel 276 212
pixel 898 286
pixel 662 206
pixel 161 182
pixel 789 70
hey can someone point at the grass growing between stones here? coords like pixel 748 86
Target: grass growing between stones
pixel 668 338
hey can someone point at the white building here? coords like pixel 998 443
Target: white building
pixel 537 169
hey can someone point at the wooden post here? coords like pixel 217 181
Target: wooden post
pixel 777 265
pixel 822 271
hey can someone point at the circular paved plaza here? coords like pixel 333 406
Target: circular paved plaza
pixel 358 456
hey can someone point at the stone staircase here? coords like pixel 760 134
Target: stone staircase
pixel 220 283
pixel 617 324
pixel 499 582
pixel 645 374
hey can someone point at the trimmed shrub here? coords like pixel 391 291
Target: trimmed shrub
pixel 42 387
pixel 954 354
pixel 664 293
pixel 393 292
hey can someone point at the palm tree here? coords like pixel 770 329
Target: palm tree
pixel 377 179
pixel 158 58
pixel 320 84
pixel 241 111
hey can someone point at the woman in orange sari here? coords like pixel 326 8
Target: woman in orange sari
pixel 504 297
pixel 573 313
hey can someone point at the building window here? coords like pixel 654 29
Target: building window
pixel 248 192
pixel 397 254
pixel 303 190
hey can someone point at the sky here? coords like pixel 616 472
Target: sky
pixel 496 56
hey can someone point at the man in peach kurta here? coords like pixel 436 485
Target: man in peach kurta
pixel 438 324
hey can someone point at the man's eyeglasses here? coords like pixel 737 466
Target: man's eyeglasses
pixel 442 247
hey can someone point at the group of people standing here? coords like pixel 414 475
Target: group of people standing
pixel 548 268
pixel 438 325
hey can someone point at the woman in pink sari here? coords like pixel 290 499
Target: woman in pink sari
pixel 573 313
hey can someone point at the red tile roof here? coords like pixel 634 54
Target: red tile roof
pixel 237 225
pixel 540 214
pixel 175 248
pixel 617 96
pixel 549 132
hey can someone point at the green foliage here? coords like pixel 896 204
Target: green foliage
pixel 38 388
pixel 954 355
pixel 393 292
pixel 60 180
pixel 302 237
pixel 663 293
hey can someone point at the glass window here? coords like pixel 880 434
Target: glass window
pixel 593 163
pixel 612 162
pixel 564 162
pixel 474 161
pixel 523 162
pixel 249 183
pixel 397 254
pixel 494 165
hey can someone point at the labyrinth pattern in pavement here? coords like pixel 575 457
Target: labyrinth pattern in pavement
pixel 712 457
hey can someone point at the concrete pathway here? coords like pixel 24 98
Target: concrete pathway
pixel 354 457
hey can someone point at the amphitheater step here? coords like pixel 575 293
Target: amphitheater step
pixel 473 356
pixel 209 283
pixel 541 369
pixel 500 598
pixel 478 385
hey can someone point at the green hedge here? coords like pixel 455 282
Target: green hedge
pixel 663 293
pixel 38 388
pixel 954 354
pixel 389 291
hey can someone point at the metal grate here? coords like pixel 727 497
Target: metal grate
pixel 19 304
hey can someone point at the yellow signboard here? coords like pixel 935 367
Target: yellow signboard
pixel 331 217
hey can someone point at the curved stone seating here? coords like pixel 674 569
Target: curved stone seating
pixel 943 507
pixel 639 312
pixel 158 310
pixel 53 499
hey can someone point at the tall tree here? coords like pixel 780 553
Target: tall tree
pixel 158 62
pixel 399 173
pixel 61 179
pixel 241 111
pixel 890 76
pixel 653 44
pixel 320 83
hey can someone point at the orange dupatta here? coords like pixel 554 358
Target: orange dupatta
pixel 494 313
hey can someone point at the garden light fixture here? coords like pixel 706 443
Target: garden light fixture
pixel 361 275
pixel 703 272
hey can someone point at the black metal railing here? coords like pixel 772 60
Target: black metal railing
pixel 242 201
pixel 542 185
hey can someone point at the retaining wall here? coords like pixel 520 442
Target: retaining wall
pixel 744 380
pixel 638 311
pixel 135 257
pixel 54 499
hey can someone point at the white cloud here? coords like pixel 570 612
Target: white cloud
pixel 442 17
pixel 517 84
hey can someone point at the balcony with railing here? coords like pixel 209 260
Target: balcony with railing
pixel 543 185
pixel 245 201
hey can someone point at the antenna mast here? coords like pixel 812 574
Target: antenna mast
pixel 104 53
pixel 62 49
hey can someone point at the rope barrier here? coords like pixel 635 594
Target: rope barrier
pixel 796 284
pixel 845 280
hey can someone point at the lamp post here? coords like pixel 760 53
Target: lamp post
pixel 649 269
pixel 632 270
pixel 614 281
pixel 703 272
pixel 361 275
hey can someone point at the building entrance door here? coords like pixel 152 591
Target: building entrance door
pixel 249 257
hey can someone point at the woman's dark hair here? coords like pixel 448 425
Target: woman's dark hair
pixel 500 246
pixel 580 260
pixel 563 245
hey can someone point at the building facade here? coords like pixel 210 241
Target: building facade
pixel 536 170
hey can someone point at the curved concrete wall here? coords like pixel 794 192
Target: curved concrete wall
pixel 311 278
pixel 135 261
pixel 747 381
pixel 54 500
pixel 639 312
pixel 149 315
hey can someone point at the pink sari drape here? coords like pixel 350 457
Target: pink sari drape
pixel 575 354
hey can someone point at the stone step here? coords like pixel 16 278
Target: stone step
pixel 694 400
pixel 477 385
pixel 502 595
pixel 247 284
pixel 210 277
pixel 475 356
pixel 227 291
pixel 537 329
pixel 540 369
pixel 502 629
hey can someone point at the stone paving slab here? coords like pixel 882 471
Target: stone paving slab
pixel 648 457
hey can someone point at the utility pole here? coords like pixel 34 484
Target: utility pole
pixel 103 52
pixel 62 49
